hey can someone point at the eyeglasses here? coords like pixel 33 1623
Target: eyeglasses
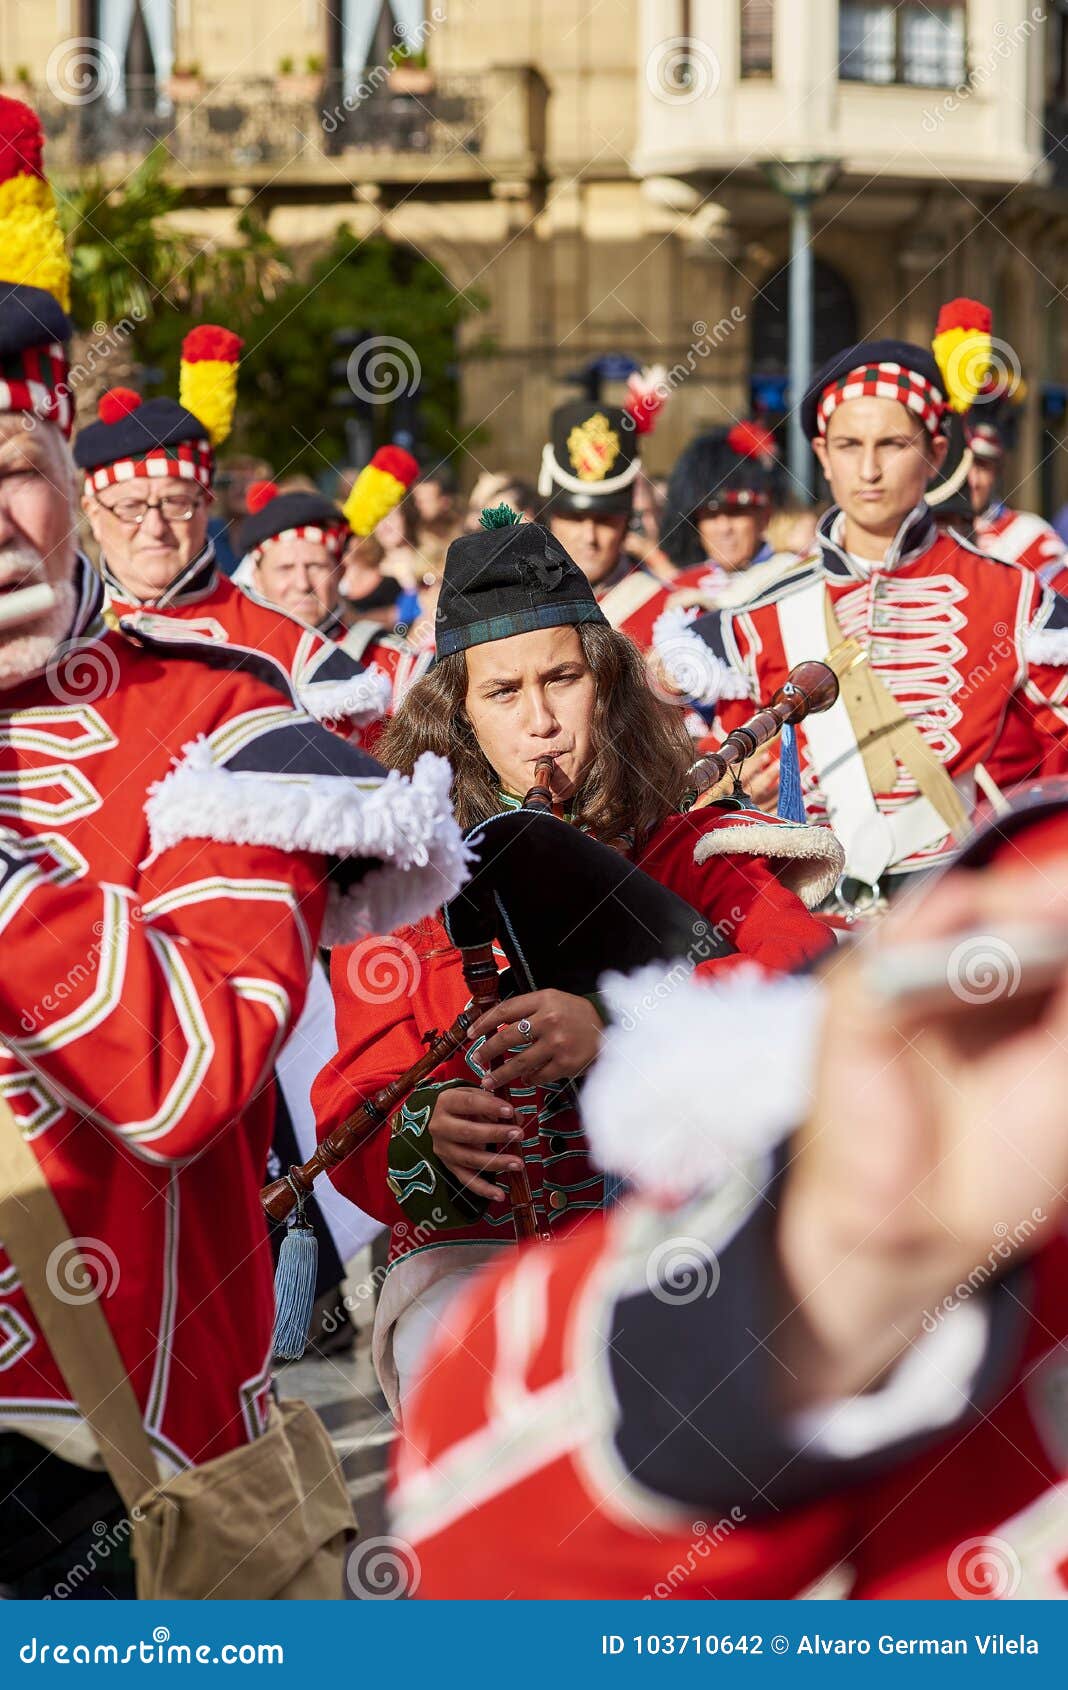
pixel 175 507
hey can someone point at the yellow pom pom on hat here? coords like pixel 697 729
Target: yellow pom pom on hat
pixel 207 383
pixel 379 487
pixel 34 276
pixel 962 347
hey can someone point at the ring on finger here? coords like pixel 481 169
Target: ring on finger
pixel 525 1031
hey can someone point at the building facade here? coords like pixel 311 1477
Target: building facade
pixel 600 174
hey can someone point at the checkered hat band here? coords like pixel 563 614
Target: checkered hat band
pixel 35 381
pixel 747 499
pixel 885 381
pixel 190 460
pixel 332 538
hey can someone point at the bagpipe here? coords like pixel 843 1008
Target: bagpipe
pixel 564 909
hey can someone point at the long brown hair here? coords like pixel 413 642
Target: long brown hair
pixel 641 750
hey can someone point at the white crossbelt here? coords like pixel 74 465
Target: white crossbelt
pixel 873 840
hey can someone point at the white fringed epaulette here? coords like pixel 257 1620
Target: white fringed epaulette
pixel 403 825
pixel 661 1112
pixel 359 699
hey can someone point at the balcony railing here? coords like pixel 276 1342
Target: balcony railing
pixel 262 125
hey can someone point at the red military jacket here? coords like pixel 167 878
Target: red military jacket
pixel 392 994
pixel 1018 537
pixel 971 649
pixel 327 682
pixel 520 1474
pixel 163 883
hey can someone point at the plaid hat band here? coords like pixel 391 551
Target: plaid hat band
pixel 885 381
pixel 334 539
pixel 34 380
pixel 189 460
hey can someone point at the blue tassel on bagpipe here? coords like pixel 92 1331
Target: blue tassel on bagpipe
pixel 791 803
pixel 294 1288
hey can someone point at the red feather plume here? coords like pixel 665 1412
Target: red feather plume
pixel 209 340
pixel 398 463
pixel 258 494
pixel 21 141
pixel 752 440
pixel 964 314
pixel 116 403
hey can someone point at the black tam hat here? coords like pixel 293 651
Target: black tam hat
pixel 509 577
pixel 302 515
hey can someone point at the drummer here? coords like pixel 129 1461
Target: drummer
pixel 528 667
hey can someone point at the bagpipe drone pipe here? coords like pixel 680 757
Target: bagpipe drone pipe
pixel 565 909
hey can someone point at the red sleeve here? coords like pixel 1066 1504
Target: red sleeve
pixel 378 1037
pixel 740 896
pixel 157 1011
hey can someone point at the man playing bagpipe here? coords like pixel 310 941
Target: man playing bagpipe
pixel 947 658
pixel 841 1357
pixel 176 837
pixel 149 468
pixel 527 669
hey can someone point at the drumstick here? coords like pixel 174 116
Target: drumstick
pixel 26 602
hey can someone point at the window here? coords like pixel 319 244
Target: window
pixel 757 37
pixel 923 46
pixel 136 51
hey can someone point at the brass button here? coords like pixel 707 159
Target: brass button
pixel 557 1200
pixel 557 1143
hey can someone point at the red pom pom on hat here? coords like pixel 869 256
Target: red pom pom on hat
pixel 398 463
pixel 964 313
pixel 116 403
pixel 21 140
pixel 258 494
pixel 752 440
pixel 210 340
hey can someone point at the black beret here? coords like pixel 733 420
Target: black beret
pixel 155 422
pixel 903 352
pixel 286 511
pixel 510 578
pixel 30 317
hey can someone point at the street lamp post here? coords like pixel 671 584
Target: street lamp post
pixel 801 181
